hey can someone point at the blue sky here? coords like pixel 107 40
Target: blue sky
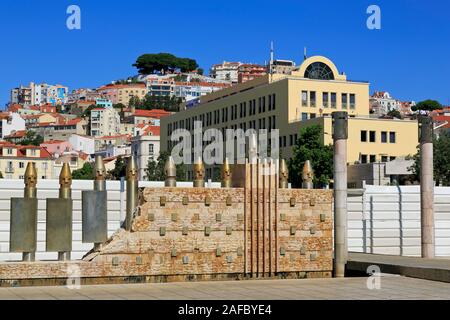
pixel 408 57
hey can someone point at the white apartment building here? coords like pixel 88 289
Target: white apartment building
pixel 228 71
pixel 382 102
pixel 146 147
pixel 104 122
pixel 81 143
pixel 10 123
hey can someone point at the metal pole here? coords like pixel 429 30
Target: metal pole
pixel 99 182
pixel 426 187
pixel 340 136
pixel 284 175
pixel 30 192
pixel 170 170
pixel 199 174
pixel 65 192
pixel 226 174
pixel 132 192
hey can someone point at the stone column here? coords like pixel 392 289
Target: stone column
pixel 340 136
pixel 426 187
pixel 132 192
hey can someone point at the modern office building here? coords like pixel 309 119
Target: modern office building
pixel 288 102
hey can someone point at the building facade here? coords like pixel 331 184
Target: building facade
pixel 104 122
pixel 9 123
pixel 226 71
pixel 122 93
pixel 146 147
pixel 288 102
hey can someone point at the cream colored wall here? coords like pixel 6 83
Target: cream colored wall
pixel 19 173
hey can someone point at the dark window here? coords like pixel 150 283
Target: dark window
pixel 392 137
pixel 291 140
pixel 325 101
pixel 373 158
pixel 333 99
pixel 344 100
pixel 312 97
pixel 384 159
pixel 364 158
pixel 384 137
pixel 304 116
pixel 352 101
pixel 363 136
pixel 312 115
pixel 372 136
pixel 393 158
pixel 320 71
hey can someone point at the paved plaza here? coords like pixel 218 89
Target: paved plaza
pixel 392 287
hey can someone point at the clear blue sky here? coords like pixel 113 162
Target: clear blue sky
pixel 409 56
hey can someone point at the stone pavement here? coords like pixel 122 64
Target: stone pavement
pixel 392 287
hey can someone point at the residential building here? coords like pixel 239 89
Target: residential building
pixel 249 71
pixel 160 86
pixel 104 122
pixel 288 102
pixel 57 147
pixel 14 160
pixel 134 117
pixel 83 143
pixel 227 71
pixel 9 123
pixel 16 136
pixel 76 161
pixel 83 94
pixel 146 147
pixel 192 90
pixel 381 103
pixel 122 93
pixel 38 94
pixel 62 130
pixel 282 66
pixel 102 143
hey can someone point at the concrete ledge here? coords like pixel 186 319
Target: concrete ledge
pixel 13 283
pixel 428 269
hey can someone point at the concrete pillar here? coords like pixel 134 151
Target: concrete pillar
pixel 132 192
pixel 426 187
pixel 65 192
pixel 340 136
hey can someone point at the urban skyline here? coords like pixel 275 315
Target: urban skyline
pixel 396 58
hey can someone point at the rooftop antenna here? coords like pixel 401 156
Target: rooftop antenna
pixel 271 59
pixel 304 53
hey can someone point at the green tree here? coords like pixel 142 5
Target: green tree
pixel 135 102
pixel 310 147
pixel 395 114
pixel 427 105
pixel 167 103
pixel 155 169
pixel 441 155
pixel 151 63
pixel 85 173
pixel 31 139
pixel 120 169
pixel 87 112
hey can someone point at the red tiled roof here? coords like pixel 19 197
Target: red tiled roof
pixel 122 86
pixel 17 134
pixel 22 151
pixel 153 131
pixel 15 107
pixel 154 113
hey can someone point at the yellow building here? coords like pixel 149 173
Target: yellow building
pixel 122 93
pixel 14 160
pixel 305 97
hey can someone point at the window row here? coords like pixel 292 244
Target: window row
pixel 373 158
pixel 235 112
pixel 329 99
pixel 371 136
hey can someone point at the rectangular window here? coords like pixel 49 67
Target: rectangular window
pixel 384 137
pixel 363 136
pixel 291 140
pixel 325 98
pixel 373 158
pixel 312 115
pixel 384 159
pixel 393 158
pixel 304 98
pixel 372 136
pixel 259 105
pixel 245 109
pixel 312 96
pixel 392 137
pixel 344 101
pixel 263 104
pixel 274 101
pixel 364 158
pixel 352 101
pixel 304 116
pixel 333 99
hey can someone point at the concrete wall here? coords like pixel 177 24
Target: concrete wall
pixel 49 189
pixel 386 220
